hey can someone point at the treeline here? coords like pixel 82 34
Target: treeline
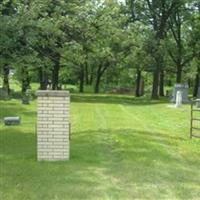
pixel 85 42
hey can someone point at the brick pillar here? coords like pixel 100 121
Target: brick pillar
pixel 53 125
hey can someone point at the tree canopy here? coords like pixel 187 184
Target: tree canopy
pixel 101 44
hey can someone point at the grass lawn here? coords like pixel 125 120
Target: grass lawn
pixel 121 148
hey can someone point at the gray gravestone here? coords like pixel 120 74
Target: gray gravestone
pixel 12 120
pixel 183 88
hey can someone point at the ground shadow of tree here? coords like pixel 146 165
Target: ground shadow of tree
pixel 138 157
pixel 11 109
pixel 116 99
pixel 121 159
pixel 17 144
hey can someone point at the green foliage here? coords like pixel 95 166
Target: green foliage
pixel 98 43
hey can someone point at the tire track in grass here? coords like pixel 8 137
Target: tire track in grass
pixel 101 120
pixel 105 137
pixel 154 133
pixel 131 116
pixel 142 121
pixel 82 116
pixel 156 141
pixel 148 117
pixel 167 142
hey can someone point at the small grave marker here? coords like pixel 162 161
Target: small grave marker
pixel 11 121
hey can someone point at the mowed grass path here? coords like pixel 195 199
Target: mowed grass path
pixel 121 148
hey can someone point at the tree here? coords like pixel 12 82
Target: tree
pixel 7 40
pixel 159 13
pixel 107 47
pixel 195 42
pixel 179 50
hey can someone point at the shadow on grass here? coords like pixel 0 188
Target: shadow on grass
pixel 140 156
pixel 103 162
pixel 10 108
pixel 125 141
pixel 115 99
pixel 17 144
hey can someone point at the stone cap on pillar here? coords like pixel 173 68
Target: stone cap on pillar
pixel 52 93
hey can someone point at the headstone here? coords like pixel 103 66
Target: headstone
pixel 183 88
pixel 11 121
pixel 178 99
pixel 53 127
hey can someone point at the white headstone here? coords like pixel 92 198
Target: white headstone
pixel 178 99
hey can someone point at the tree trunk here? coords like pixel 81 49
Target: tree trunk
pixel 189 81
pixel 138 83
pixel 91 77
pixel 82 75
pixel 43 79
pixel 55 77
pixel 97 84
pixel 161 88
pixel 197 83
pixel 6 85
pixel 155 86
pixel 179 74
pixel 142 87
pixel 86 74
pixel 98 79
pixel 55 72
pixel 25 85
pixel 100 72
pixel 25 80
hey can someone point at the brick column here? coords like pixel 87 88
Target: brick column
pixel 53 125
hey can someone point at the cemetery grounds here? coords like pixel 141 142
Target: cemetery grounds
pixel 121 148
